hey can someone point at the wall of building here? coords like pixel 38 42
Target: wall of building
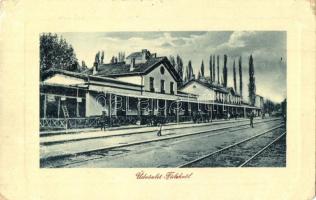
pixel 259 101
pixel 158 76
pixel 204 93
pixel 138 60
pixel 95 104
pixel 131 79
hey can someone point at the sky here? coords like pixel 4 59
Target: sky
pixel 268 49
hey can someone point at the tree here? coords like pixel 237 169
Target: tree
pixel 217 69
pixel 268 106
pixel 283 107
pixel 121 56
pixel 96 62
pixel 240 76
pixel 180 68
pixel 102 57
pixel 202 69
pixel 199 76
pixel 225 71
pixel 234 73
pixel 211 68
pixel 113 60
pixel 186 77
pixel 172 61
pixel 56 53
pixel 83 65
pixel 97 58
pixel 252 84
pixel 190 68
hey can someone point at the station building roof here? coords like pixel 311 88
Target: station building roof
pixel 120 69
pixel 85 77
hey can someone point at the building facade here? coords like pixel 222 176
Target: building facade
pixel 137 90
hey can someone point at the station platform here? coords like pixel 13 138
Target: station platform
pixel 83 134
pixel 64 146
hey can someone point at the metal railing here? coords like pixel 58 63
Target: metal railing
pixel 68 123
pixel 97 121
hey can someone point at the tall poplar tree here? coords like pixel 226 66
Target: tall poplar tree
pixel 186 77
pixel 211 69
pixel 202 69
pixel 97 58
pixel 225 71
pixel 102 57
pixel 83 65
pixel 234 72
pixel 252 83
pixel 121 56
pixel 213 66
pixel 180 67
pixel 218 69
pixel 172 61
pixel 240 76
pixel 191 73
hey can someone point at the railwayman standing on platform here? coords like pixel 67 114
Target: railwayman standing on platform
pixel 251 116
pixel 159 131
pixel 103 120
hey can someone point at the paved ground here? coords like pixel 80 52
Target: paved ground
pixel 91 143
pixel 167 153
pixel 115 131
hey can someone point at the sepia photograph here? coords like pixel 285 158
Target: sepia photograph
pixel 163 99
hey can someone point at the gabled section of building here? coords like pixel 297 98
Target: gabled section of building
pixel 211 92
pixel 259 101
pixel 155 74
pixel 139 57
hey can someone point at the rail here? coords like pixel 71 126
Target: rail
pixel 188 164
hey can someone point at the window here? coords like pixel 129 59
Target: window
pixel 162 86
pixel 162 70
pixel 151 84
pixel 171 88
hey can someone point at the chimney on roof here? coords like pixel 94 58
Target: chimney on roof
pixel 132 65
pixel 154 55
pixel 144 54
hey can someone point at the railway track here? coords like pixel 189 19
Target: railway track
pixel 237 154
pixel 273 155
pixel 98 154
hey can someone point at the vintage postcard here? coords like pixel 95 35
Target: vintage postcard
pixel 129 99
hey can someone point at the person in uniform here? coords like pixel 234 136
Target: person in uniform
pixel 251 119
pixel 103 120
pixel 159 131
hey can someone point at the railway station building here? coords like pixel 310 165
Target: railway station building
pixel 135 91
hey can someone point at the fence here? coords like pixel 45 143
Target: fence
pixel 95 122
pixel 68 123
